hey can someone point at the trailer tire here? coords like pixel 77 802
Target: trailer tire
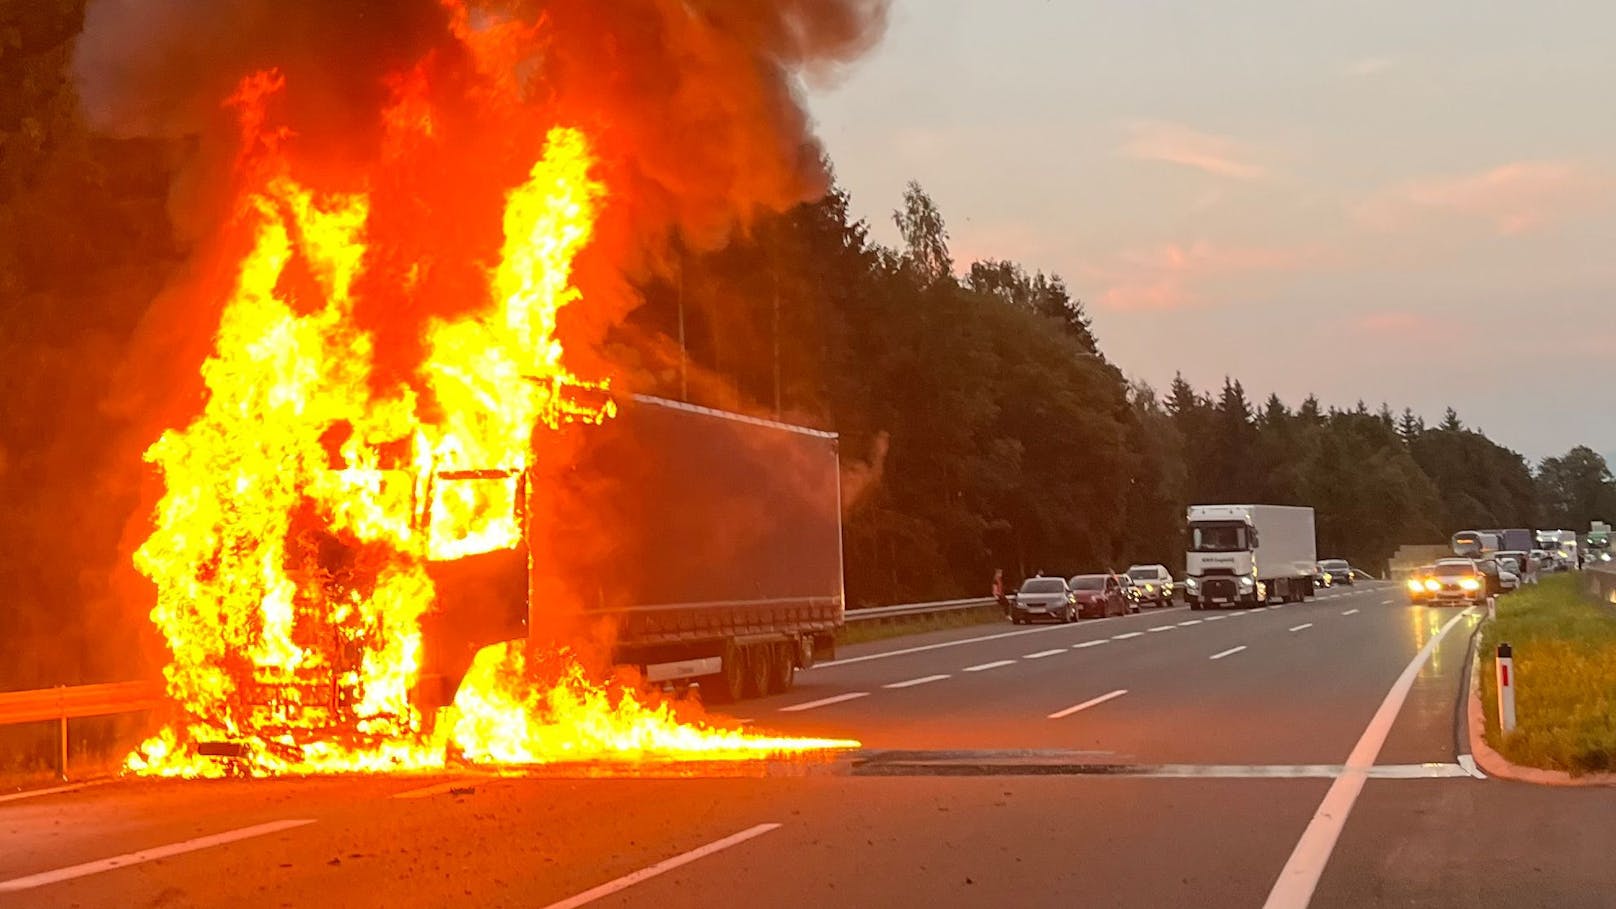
pixel 758 661
pixel 728 684
pixel 782 668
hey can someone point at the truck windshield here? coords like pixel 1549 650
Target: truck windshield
pixel 1219 537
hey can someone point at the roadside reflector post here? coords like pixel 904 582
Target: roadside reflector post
pixel 61 736
pixel 1492 607
pixel 1506 688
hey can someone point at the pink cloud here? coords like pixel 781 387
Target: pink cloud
pixel 1175 143
pixel 1179 276
pixel 1395 323
pixel 1512 198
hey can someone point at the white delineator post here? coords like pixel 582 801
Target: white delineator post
pixel 1506 688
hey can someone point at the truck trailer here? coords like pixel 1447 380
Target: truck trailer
pixel 691 544
pixel 1247 554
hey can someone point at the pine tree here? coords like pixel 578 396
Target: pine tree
pixel 1450 421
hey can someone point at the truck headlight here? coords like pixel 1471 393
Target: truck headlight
pixel 1191 583
pixel 1247 583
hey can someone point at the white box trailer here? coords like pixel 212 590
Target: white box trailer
pixel 1248 554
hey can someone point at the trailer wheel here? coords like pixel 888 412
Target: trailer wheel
pixel 782 668
pixel 728 684
pixel 758 662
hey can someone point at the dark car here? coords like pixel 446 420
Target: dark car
pixel 1339 571
pixel 1043 598
pixel 1099 595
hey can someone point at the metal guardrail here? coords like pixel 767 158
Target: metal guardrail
pixel 76 702
pixel 913 609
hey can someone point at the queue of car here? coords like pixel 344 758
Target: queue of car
pixel 1099 595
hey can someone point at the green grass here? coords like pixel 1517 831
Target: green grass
pixel 1564 645
pixel 876 630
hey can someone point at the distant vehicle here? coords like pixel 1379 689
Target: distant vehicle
pixel 1099 595
pixel 1321 578
pixel 1453 582
pixel 1545 561
pixel 1246 554
pixel 1475 544
pixel 1339 570
pixel 1043 598
pixel 1516 538
pixel 1562 545
pixel 1131 592
pixel 1598 542
pixel 1509 573
pixel 1522 563
pixel 1155 581
pixel 1418 592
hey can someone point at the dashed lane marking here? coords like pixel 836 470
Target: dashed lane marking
pixel 923 680
pixel 684 858
pixel 983 667
pixel 1161 628
pixel 1124 637
pixel 1230 652
pixel 1090 644
pixel 825 702
pixel 1302 627
pixel 98 866
pixel 1091 702
pixel 1043 653
pixel 1349 612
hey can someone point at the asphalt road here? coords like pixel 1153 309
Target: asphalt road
pixel 1171 758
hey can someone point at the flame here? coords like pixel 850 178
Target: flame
pixel 304 503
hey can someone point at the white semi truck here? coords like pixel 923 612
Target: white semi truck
pixel 1246 555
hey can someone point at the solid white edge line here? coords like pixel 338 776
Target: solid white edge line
pixel 1300 876
pixel 1468 762
pixel 1230 652
pixel 36 793
pixel 145 855
pixel 825 702
pixel 1087 623
pixel 983 667
pixel 1302 627
pixel 662 867
pixel 923 680
pixel 1061 714
pixel 1084 644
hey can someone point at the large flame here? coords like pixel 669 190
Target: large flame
pixel 301 509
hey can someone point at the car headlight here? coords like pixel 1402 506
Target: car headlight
pixel 1470 584
pixel 1150 588
pixel 1414 585
pixel 1432 585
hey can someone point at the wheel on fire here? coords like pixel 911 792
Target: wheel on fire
pixel 758 671
pixel 782 668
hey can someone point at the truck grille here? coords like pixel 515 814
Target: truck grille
pixel 1218 587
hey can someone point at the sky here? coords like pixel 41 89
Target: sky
pixel 1403 202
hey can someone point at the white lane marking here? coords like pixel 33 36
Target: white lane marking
pixel 1087 623
pixel 435 789
pixel 35 793
pixel 1161 628
pixel 1189 623
pixel 1468 763
pixel 145 855
pixel 1230 652
pixel 1349 612
pixel 1124 637
pixel 1043 653
pixel 1215 618
pixel 1300 771
pixel 1302 627
pixel 666 865
pixel 983 667
pixel 1237 615
pixel 923 680
pixel 1296 883
pixel 1090 644
pixel 1060 714
pixel 826 702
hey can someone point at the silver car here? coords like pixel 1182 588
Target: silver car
pixel 1042 599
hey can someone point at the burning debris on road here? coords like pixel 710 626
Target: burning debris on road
pixel 392 243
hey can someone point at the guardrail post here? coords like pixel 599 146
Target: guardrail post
pixel 1506 688
pixel 61 754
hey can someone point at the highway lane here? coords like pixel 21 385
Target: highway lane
pixel 1301 692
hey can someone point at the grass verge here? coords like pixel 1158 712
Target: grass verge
pixel 878 630
pixel 1564 645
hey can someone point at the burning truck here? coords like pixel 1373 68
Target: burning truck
pixel 399 529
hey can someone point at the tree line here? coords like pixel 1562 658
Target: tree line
pixel 1000 436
